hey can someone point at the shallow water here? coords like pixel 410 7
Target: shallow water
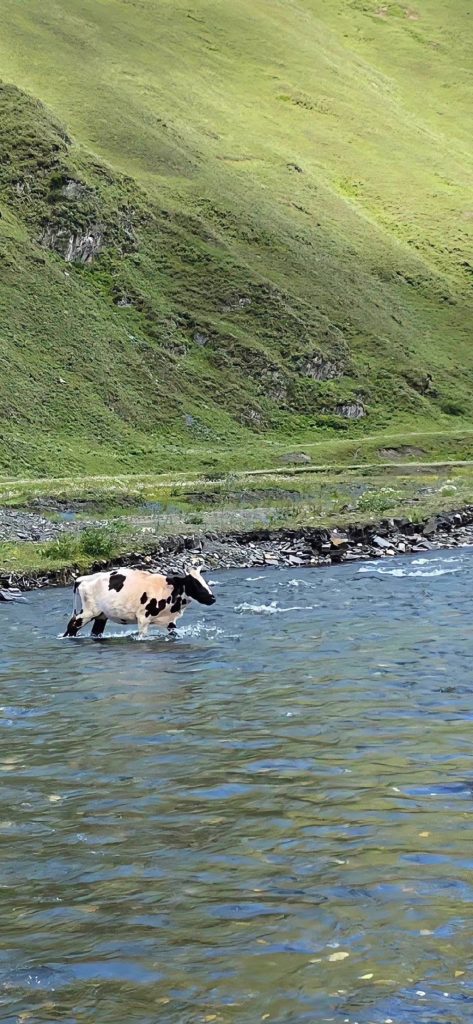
pixel 268 818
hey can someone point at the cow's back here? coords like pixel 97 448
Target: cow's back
pixel 122 595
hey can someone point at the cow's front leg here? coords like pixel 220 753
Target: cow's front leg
pixel 172 628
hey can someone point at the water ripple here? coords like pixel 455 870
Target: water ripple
pixel 268 818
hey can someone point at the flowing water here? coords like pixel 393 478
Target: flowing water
pixel 268 818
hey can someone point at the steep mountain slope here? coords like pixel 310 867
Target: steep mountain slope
pixel 224 219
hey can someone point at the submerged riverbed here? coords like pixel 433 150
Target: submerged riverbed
pixel 268 818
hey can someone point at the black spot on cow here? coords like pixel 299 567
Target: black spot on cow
pixel 143 598
pixel 116 581
pixel 177 583
pixel 196 590
pixel 154 607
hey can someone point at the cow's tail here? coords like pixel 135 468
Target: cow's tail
pixel 76 600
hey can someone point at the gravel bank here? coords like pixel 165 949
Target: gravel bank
pixel 302 547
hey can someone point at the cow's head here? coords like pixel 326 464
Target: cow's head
pixel 196 587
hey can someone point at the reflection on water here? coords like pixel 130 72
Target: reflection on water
pixel 269 818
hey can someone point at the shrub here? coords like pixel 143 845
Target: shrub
pixel 99 543
pixel 62 549
pixel 452 408
pixel 378 501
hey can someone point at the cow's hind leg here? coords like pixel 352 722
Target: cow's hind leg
pixel 98 627
pixel 76 623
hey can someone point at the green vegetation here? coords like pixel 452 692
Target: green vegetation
pixel 81 550
pixel 87 546
pixel 227 230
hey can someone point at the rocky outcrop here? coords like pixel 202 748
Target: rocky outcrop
pixel 72 189
pixel 236 302
pixel 350 410
pixel 201 339
pixel 319 367
pixel 75 248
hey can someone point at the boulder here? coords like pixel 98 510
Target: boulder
pixel 295 458
pixel 430 527
pixel 381 542
pixel 339 541
pixel 350 410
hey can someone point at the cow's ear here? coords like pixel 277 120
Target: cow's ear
pixel 191 567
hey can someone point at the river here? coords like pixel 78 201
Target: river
pixel 268 818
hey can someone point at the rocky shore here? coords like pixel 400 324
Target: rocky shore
pixel 296 548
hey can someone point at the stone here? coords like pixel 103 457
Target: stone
pixel 295 458
pixel 381 542
pixel 350 410
pixel 12 594
pixel 338 540
pixel 74 190
pixel 317 367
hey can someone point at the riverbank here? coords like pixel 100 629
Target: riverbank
pixel 301 547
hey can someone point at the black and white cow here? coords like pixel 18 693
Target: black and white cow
pixel 132 595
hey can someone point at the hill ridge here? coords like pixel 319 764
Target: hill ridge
pixel 316 282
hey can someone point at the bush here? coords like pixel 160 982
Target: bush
pixel 63 549
pixel 99 543
pixel 379 501
pixel 452 408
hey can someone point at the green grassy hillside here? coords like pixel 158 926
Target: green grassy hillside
pixel 227 222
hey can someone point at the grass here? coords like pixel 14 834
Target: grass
pixel 284 220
